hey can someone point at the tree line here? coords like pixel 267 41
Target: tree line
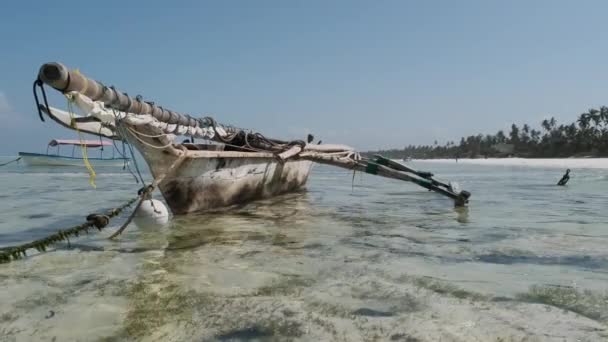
pixel 587 136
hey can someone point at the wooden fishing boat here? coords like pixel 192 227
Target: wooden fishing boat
pixel 214 175
pixel 57 159
pixel 232 166
pixel 212 178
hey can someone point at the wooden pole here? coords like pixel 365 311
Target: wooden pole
pixel 398 166
pixel 59 77
pixel 294 150
pixel 460 199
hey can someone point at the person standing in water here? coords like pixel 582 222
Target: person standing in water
pixel 565 178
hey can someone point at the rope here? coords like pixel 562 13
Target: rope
pixel 149 136
pixel 124 157
pixel 12 161
pixel 99 221
pixel 146 191
pixel 142 196
pixel 122 133
pixel 83 146
pixel 148 144
pixel 273 146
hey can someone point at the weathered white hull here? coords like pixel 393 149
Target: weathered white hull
pixel 35 159
pixel 211 179
pixel 206 183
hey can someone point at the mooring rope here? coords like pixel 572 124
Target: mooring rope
pixel 99 221
pixel 123 134
pixel 145 192
pixel 130 218
pixel 12 161
pixel 125 158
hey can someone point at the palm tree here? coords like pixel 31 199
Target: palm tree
pixel 604 115
pixel 552 122
pixel 524 136
pixel 583 121
pixel 585 134
pixel 594 115
pixel 546 125
pixel 535 135
pixel 588 133
pixel 500 137
pixel 514 136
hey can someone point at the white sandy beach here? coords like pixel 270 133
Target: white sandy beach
pixel 571 163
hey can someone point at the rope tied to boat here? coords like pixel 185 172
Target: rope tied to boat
pixel 12 161
pixel 98 221
pixel 145 193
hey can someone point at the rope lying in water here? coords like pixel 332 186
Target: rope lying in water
pixel 12 161
pixel 142 198
pixel 99 221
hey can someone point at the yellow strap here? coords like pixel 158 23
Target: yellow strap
pixel 83 146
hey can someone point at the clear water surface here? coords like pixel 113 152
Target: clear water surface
pixel 369 260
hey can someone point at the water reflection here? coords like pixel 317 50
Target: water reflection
pixel 278 221
pixel 462 214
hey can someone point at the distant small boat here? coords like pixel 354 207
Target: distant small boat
pixel 39 159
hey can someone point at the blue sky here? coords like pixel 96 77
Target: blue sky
pixel 372 74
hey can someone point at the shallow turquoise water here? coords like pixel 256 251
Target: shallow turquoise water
pixel 371 260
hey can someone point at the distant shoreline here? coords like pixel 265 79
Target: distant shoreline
pixel 527 158
pixel 571 163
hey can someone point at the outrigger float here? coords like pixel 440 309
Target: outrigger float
pixel 233 165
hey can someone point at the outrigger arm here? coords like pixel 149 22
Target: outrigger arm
pixel 385 167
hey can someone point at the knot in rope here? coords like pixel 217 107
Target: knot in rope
pixel 98 220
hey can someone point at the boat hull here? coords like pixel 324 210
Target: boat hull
pixel 209 179
pixel 36 159
pixel 207 183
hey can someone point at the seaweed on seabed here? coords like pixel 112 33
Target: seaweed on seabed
pixel 593 305
pixel 269 331
pixel 445 288
pixel 287 285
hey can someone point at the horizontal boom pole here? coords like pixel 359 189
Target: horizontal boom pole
pixel 58 76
